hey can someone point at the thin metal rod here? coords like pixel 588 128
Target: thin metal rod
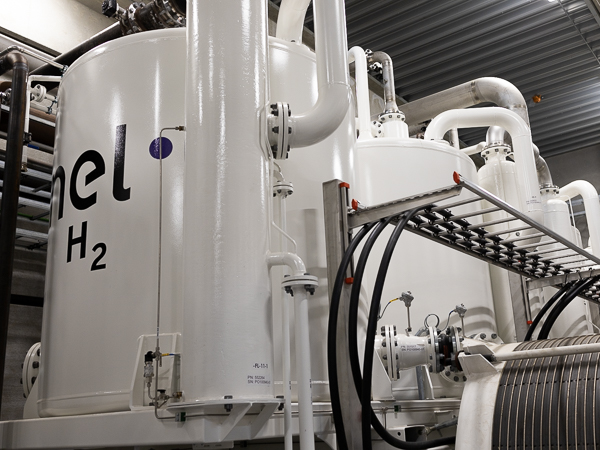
pixel 455 204
pixel 493 222
pixel 475 213
pixel 512 230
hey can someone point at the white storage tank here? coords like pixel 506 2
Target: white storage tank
pixel 101 281
pixel 438 277
pixel 120 95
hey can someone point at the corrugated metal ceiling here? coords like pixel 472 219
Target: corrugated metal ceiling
pixel 543 47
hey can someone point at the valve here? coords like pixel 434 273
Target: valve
pixel 407 298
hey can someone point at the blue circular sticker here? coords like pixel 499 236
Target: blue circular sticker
pixel 155 149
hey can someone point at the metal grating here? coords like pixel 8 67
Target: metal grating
pixel 544 47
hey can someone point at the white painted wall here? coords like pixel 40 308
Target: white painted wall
pixel 57 24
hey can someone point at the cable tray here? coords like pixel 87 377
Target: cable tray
pixel 510 240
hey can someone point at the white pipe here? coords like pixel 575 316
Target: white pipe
pixel 548 352
pixel 592 207
pixel 474 149
pixel 291 260
pixel 357 55
pixel 333 102
pixel 290 22
pixel 522 146
pixel 285 327
pixel 305 410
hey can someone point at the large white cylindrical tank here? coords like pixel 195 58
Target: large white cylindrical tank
pixel 101 281
pixel 294 81
pixel 439 278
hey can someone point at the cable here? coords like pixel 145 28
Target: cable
pixel 355 301
pixel 448 319
pixel 545 309
pixel 332 334
pixel 368 415
pixel 562 304
pixel 380 316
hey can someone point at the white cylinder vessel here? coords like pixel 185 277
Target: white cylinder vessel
pixel 573 321
pixel 226 283
pixel 499 177
pixel 293 79
pixel 439 278
pixel 101 280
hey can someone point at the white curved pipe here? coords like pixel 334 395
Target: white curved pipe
pixel 291 260
pixel 331 49
pixel 290 22
pixel 357 55
pixel 474 149
pixel 522 146
pixel 592 207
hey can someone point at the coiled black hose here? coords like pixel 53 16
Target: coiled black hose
pixel 365 392
pixel 545 309
pixel 562 304
pixel 331 336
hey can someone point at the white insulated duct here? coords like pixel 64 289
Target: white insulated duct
pixel 226 285
pixel 592 207
pixel 522 146
pixel 331 48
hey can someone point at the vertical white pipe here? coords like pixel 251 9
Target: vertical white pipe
pixel 592 208
pixel 305 410
pixel 285 325
pixel 357 55
pixel 226 284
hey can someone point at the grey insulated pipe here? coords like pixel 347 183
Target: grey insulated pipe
pixel 389 89
pixel 10 193
pixel 481 90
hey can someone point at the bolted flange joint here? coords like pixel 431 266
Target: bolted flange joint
pixel 307 282
pixel 279 129
pixel 283 188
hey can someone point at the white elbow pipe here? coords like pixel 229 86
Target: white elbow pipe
pixel 290 22
pixel 357 55
pixel 293 261
pixel 522 146
pixel 592 207
pixel 331 49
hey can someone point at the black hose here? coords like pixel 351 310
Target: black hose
pixel 355 302
pixel 545 309
pixel 332 334
pixel 368 415
pixel 112 32
pixel 10 193
pixel 562 304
